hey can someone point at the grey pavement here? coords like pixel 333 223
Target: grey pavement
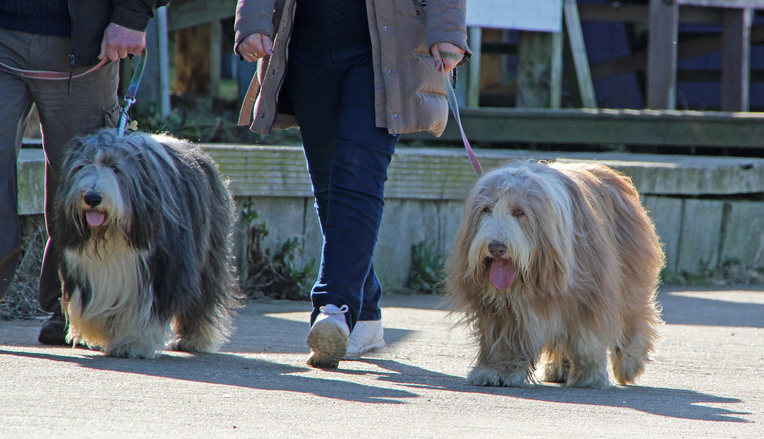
pixel 706 381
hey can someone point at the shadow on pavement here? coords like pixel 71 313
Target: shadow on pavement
pixel 675 403
pixel 679 309
pixel 234 370
pixel 230 370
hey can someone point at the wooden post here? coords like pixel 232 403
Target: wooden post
pixel 534 69
pixel 582 83
pixel 736 53
pixel 661 55
pixel 473 84
pixel 155 83
pixel 216 43
pixel 192 59
pixel 555 98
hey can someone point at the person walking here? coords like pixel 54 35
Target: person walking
pixel 353 75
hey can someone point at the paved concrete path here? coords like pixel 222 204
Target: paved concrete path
pixel 707 381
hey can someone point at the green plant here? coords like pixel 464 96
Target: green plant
pixel 275 276
pixel 427 269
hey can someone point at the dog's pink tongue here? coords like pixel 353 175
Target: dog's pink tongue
pixel 95 218
pixel 502 273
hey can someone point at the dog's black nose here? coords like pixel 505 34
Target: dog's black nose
pixel 92 198
pixel 497 249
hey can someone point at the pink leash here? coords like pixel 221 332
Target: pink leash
pixel 455 109
pixel 43 74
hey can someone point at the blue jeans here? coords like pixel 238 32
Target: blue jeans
pixel 332 95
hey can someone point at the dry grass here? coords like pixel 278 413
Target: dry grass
pixel 21 301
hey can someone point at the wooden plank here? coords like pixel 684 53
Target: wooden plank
pixel 555 88
pixel 582 85
pixel 712 75
pixel 755 4
pixel 736 53
pixel 661 55
pixel 155 83
pixel 192 59
pixel 498 48
pixel 534 69
pixel 687 49
pixel 629 13
pixel 473 72
pixel 216 48
pixel 188 13
pixel 445 173
pixel 648 127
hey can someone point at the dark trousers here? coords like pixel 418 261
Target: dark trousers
pixel 332 95
pixel 90 104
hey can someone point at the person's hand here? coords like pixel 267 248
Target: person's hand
pixel 446 55
pixel 119 42
pixel 256 46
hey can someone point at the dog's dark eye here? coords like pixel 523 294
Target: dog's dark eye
pixel 115 169
pixel 487 209
pixel 518 213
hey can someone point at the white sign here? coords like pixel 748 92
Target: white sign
pixel 535 15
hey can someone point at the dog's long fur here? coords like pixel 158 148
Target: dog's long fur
pixel 587 261
pixel 156 257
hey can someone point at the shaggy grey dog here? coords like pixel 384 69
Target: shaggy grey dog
pixel 144 224
pixel 557 263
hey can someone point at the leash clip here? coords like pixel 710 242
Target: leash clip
pixel 124 118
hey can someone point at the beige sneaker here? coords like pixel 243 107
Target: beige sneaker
pixel 368 336
pixel 328 337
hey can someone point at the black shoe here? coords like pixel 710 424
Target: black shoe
pixel 53 331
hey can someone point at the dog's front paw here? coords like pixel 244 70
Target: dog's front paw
pixel 131 351
pixel 486 376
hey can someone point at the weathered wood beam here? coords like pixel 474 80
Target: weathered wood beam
pixel 473 67
pixel 710 75
pixel 640 14
pixel 661 55
pixel 575 52
pixel 498 48
pixel 686 49
pixel 630 13
pixel 188 13
pixel 633 127
pixel 755 4
pixel 534 69
pixel 736 53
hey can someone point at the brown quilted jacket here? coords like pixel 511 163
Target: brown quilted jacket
pixel 410 95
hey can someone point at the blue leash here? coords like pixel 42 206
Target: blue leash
pixel 130 96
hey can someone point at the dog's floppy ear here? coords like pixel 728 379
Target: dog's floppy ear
pixel 473 205
pixel 554 250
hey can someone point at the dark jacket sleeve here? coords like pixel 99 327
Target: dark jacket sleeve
pixel 134 14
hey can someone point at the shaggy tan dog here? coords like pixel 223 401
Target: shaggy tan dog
pixel 556 260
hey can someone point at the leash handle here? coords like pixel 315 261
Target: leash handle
pixel 132 90
pixel 455 109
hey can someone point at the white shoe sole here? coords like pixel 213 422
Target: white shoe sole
pixel 328 345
